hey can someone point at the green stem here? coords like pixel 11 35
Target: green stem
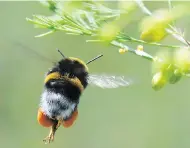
pixel 44 34
pixel 153 43
pixel 136 52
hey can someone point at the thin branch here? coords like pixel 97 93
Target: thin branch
pixel 153 43
pixel 136 52
pixel 89 20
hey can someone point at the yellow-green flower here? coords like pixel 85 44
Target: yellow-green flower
pixel 153 27
pixel 175 77
pixel 158 81
pixel 182 59
pixel 162 60
pixel 153 35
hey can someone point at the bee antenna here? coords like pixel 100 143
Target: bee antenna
pixel 60 52
pixel 97 57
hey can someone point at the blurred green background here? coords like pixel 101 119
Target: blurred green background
pixel 133 117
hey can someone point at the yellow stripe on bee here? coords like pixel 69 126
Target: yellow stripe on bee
pixel 75 81
pixel 80 61
pixel 54 75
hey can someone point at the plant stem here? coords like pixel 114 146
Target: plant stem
pixel 136 52
pixel 153 43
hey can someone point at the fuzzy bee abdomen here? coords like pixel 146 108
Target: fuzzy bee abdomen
pixel 56 106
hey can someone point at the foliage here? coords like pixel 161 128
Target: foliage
pixel 104 24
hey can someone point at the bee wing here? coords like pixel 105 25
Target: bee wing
pixel 106 81
pixel 30 51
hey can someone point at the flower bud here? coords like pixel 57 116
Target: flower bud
pixel 153 27
pixel 158 81
pixel 121 50
pixel 163 61
pixel 182 59
pixel 175 77
pixel 153 35
pixel 140 47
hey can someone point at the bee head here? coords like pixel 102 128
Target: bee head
pixel 72 66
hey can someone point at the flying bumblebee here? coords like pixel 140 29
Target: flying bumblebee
pixel 63 86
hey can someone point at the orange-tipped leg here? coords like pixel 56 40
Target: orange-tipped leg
pixel 71 120
pixel 43 119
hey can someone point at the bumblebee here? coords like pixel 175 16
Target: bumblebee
pixel 63 86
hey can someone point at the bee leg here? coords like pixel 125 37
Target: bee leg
pixel 59 123
pixel 71 120
pixel 50 137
